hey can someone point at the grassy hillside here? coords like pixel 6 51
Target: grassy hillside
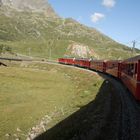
pixel 37 35
pixel 41 89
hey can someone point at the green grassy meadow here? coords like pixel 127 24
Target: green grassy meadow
pixel 29 91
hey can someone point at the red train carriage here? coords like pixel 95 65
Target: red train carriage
pixel 128 70
pixel 130 75
pixel 113 67
pixel 61 60
pixel 67 61
pixel 99 65
pixel 85 63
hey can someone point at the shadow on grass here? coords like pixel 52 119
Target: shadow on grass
pixel 2 64
pixel 96 120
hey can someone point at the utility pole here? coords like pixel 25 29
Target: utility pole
pixel 133 48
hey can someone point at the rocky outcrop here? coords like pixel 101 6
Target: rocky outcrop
pixel 29 5
pixel 80 50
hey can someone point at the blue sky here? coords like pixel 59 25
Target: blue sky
pixel 118 19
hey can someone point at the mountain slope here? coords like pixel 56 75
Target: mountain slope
pixel 36 30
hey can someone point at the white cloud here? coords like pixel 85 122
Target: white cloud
pixel 96 17
pixel 109 3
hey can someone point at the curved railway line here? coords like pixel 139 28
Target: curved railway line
pixel 127 113
pixel 117 117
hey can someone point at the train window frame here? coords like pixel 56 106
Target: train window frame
pixel 130 69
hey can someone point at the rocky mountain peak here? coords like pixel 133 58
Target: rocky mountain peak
pixel 29 5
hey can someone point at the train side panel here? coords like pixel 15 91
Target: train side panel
pixel 138 81
pixel 119 70
pixel 98 65
pixel 129 76
pixel 78 62
pixel 129 82
pixel 85 63
pixel 112 68
pixel 70 61
pixel 67 61
pixel 61 60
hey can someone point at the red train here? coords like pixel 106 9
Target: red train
pixel 128 71
pixel 67 61
pixel 85 63
pixel 130 75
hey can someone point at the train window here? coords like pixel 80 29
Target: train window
pixel 131 70
pixel 135 71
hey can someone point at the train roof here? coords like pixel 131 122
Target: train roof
pixel 136 58
pixel 113 60
pixel 82 59
pixel 67 57
pixel 97 60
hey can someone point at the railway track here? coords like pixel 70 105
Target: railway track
pixel 113 116
pixel 129 113
pixel 15 59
